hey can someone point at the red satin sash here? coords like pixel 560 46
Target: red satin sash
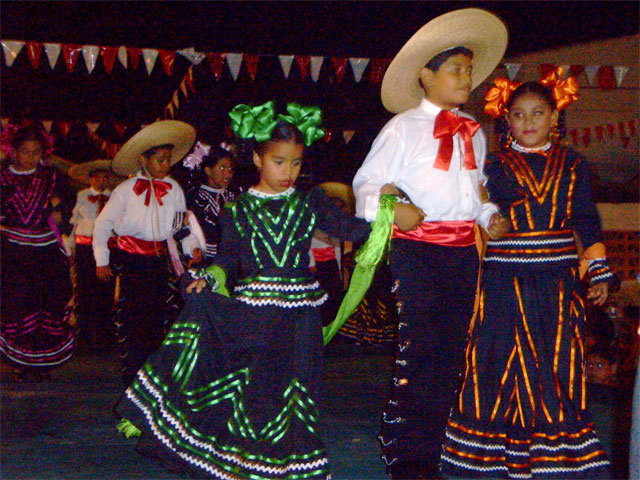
pixel 457 233
pixel 140 247
pixel 325 254
pixel 82 240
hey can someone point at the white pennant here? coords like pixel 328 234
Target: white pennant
pixel 512 70
pixel 90 54
pixel 11 50
pixel 621 71
pixel 347 135
pixel 122 56
pixel 47 125
pixel 150 55
pixel 4 122
pixel 285 63
pixel 592 71
pixel 92 126
pixel 234 60
pixel 191 55
pixel 53 52
pixel 565 71
pixel 316 65
pixel 358 66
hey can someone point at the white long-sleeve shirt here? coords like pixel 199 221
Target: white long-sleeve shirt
pixel 126 214
pixel 85 212
pixel 404 152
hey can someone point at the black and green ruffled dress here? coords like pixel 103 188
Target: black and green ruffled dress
pixel 232 392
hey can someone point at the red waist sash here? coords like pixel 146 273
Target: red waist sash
pixel 83 240
pixel 323 254
pixel 457 233
pixel 140 247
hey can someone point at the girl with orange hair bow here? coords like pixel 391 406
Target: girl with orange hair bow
pixel 521 410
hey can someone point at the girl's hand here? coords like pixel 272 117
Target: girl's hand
pixel 197 284
pixel 598 293
pixel 407 216
pixel 389 189
pixel 104 273
pixel 498 226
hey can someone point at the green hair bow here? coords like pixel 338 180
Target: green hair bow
pixel 307 119
pixel 253 122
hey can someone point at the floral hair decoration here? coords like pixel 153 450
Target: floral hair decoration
pixel 564 92
pixel 194 159
pixel 8 134
pixel 259 122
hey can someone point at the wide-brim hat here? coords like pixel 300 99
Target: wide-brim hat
pixel 478 30
pixel 82 171
pixel 342 191
pixel 165 132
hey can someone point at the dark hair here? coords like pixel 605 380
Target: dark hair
pixel 543 93
pixel 28 133
pixel 215 155
pixel 148 153
pixel 97 170
pixel 436 62
pixel 283 132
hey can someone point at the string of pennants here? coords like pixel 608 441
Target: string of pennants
pixel 600 76
pixel 622 131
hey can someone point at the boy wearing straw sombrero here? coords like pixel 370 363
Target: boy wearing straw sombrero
pixel 144 212
pixel 434 154
pixel 92 299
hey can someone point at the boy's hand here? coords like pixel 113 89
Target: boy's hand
pixel 498 226
pixel 389 189
pixel 104 273
pixel 197 257
pixel 598 293
pixel 407 216
pixel 198 285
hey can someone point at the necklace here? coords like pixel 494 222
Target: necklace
pixel 521 149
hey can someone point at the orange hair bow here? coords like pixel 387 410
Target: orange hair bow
pixel 498 96
pixel 565 92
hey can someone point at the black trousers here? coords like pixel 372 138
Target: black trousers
pixel 435 289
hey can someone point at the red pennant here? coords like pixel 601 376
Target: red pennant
pixel 119 128
pixel 546 68
pixel 251 62
pixel 34 49
pixel 621 130
pixel 625 141
pixel 71 54
pixel 167 57
pixel 134 56
pixel 586 138
pixel 576 70
pixel 64 128
pixel 216 62
pixel 599 132
pixel 378 68
pixel 632 128
pixel 340 66
pixel 303 62
pixel 109 55
pixel 610 129
pixel 574 135
pixel 328 135
pixel 606 78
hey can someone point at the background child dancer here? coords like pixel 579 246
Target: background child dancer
pixel 434 153
pixel 93 300
pixel 521 412
pixel 233 391
pixel 144 212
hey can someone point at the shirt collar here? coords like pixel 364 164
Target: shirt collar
pixel 432 108
pixel 212 189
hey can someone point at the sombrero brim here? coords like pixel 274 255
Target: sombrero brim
pixel 81 171
pixel 478 30
pixel 165 132
pixel 340 190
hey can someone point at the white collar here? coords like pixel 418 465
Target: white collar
pixel 22 172
pixel 212 189
pixel 259 194
pixel 432 108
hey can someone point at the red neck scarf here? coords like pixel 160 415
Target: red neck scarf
pixel 446 126
pixel 159 187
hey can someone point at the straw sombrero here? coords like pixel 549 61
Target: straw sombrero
pixel 478 30
pixel 165 132
pixel 342 191
pixel 81 172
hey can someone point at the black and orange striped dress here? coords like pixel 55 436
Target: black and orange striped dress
pixel 521 411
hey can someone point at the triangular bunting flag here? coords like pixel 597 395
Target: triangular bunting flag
pixel 358 65
pixel 122 56
pixel 90 54
pixel 512 70
pixel 251 62
pixel 167 57
pixel 347 135
pixel 93 126
pixel 303 64
pixel 53 52
pixel 285 63
pixel 4 122
pixel 610 130
pixel 576 70
pixel 71 54
pixel 316 66
pixel 574 136
pixel 150 55
pixel 632 128
pixel 621 130
pixel 599 132
pixel 193 56
pixel 119 128
pixel 11 50
pixel 606 78
pixel 586 137
pixel 47 125
pixel 216 62
pixel 34 49
pixel 339 66
pixel 234 61
pixel 592 71
pixel 134 56
pixel 109 57
pixel 64 128
pixel 565 71
pixel 378 68
pixel 620 73
pixel 546 68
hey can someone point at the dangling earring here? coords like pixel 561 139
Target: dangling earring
pixel 554 133
pixel 509 139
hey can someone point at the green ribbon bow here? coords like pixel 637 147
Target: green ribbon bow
pixel 307 119
pixel 253 122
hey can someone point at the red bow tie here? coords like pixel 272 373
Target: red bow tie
pixel 160 188
pixel 446 126
pixel 100 198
